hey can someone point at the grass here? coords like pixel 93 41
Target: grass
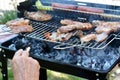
pixel 7 15
pixel 10 76
pixel 52 75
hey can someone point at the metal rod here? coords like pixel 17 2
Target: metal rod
pixel 51 26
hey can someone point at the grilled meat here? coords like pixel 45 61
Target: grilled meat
pixel 18 22
pixel 66 29
pixel 47 36
pixel 38 16
pixel 19 25
pixel 101 37
pixel 102 29
pixel 67 22
pixel 73 25
pixel 66 37
pixel 97 22
pixel 23 28
pixel 97 37
pixel 88 38
pixel 83 26
pixel 105 23
pixel 107 27
pixel 63 6
pixel 90 9
pixel 55 36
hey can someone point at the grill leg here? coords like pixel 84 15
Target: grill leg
pixel 43 74
pixel 4 67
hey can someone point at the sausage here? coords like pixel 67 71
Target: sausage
pixel 88 38
pixel 76 26
pixel 63 6
pixel 89 9
pixel 65 29
pixel 67 22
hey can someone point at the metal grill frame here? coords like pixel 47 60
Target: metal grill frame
pixel 51 26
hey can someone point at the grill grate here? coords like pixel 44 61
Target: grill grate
pixel 41 29
pixel 51 26
pixel 91 45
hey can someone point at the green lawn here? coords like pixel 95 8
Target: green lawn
pixel 52 75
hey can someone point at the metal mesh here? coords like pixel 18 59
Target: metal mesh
pixel 40 28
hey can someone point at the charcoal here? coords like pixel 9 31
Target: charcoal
pixel 12 47
pixel 95 59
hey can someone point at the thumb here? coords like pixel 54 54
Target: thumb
pixel 26 52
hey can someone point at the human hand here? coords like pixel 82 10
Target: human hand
pixel 25 67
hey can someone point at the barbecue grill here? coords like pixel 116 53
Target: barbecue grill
pixel 91 60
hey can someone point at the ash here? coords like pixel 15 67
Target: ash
pixel 80 57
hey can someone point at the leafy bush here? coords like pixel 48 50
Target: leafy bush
pixel 7 15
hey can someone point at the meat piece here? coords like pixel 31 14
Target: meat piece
pixel 101 37
pixel 90 9
pixel 65 29
pixel 18 22
pixel 79 33
pixel 39 16
pixel 63 6
pixel 107 27
pixel 51 37
pixel 67 22
pixel 19 25
pixel 23 28
pixel 83 26
pixel 54 37
pixel 107 30
pixel 73 25
pixel 67 37
pixel 115 26
pixel 105 23
pixel 88 38
pixel 47 36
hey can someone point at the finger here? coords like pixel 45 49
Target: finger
pixel 28 49
pixel 35 62
pixel 18 53
pixel 25 54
